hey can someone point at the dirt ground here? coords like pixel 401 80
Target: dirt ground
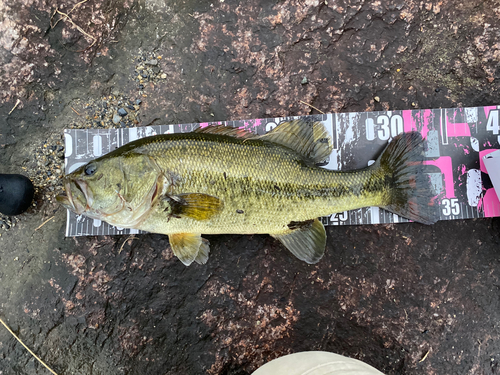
pixel 405 298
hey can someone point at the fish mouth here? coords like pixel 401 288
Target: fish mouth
pixel 77 197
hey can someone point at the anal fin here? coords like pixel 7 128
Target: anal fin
pixel 307 241
pixel 189 247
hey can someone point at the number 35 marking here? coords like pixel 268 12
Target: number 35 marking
pixel 451 207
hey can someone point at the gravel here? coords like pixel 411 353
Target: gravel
pixel 148 69
pixel 46 168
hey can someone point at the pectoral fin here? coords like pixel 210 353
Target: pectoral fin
pixel 194 205
pixel 306 240
pixel 189 247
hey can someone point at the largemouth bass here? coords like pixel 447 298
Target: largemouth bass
pixel 221 180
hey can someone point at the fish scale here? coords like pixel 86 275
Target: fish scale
pixel 253 170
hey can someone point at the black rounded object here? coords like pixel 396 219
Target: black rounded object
pixel 16 194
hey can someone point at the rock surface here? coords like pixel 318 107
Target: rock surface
pixel 406 298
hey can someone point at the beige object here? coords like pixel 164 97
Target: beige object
pixel 316 363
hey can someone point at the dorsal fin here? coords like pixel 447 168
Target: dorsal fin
pixel 226 130
pixel 310 139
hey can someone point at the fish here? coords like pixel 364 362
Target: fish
pixel 224 180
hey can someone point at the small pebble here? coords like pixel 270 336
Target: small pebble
pixel 130 107
pixel 116 118
pixel 304 81
pixel 138 101
pixel 377 99
pixel 152 62
pixel 122 112
pixel 141 87
pixel 163 76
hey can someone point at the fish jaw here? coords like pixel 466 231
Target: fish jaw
pixel 77 198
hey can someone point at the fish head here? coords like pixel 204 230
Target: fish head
pixel 117 189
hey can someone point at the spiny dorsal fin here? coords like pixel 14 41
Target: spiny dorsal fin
pixel 306 240
pixel 189 247
pixel 226 130
pixel 310 139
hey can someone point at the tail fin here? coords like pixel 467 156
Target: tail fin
pixel 411 194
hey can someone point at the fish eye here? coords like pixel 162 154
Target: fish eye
pixel 90 169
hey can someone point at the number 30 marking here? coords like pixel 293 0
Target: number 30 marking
pixel 451 207
pixel 385 127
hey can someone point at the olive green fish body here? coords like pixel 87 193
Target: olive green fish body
pixel 263 186
pixel 221 180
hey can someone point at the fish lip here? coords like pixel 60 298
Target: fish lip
pixel 84 188
pixel 68 199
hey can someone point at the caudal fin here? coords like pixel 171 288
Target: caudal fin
pixel 411 194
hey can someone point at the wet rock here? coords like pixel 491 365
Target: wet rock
pixel 372 295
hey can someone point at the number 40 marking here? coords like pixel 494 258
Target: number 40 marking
pixel 451 207
pixel 492 124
